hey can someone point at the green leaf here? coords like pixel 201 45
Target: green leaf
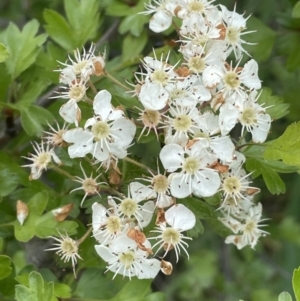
pixel 4 53
pixel 62 290
pixel 296 10
pixel 134 24
pixel 296 283
pixel 23 46
pixel 5 266
pixel 285 296
pixel 133 46
pixel 286 147
pixel 119 10
pixel 134 290
pixel 33 118
pixel 84 19
pixel 8 181
pixel 275 105
pixel 263 37
pixel 157 296
pixel 199 208
pixel 36 207
pixel 59 29
pixel 37 289
pixel 273 181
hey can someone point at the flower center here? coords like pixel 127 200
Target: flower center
pixel 248 117
pixel 160 183
pixel 190 166
pixel 43 160
pixel 160 76
pixel 182 123
pixel 176 93
pixel 196 64
pixel 77 92
pixel 128 207
pixel 232 185
pixel 69 246
pixel 100 130
pixel 233 35
pixel 113 224
pixel 79 66
pixel 196 6
pixel 127 259
pixel 171 236
pixel 250 227
pixel 90 186
pixel 151 118
pixel 231 80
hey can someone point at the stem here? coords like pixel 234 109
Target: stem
pixel 138 164
pixel 61 171
pixel 80 240
pixel 116 81
pixel 249 144
pixel 91 85
pixel 111 190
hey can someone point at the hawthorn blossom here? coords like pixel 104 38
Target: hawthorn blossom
pixel 41 159
pixel 180 219
pixel 195 175
pixel 123 256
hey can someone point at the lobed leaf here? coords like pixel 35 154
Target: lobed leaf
pixel 5 266
pixel 296 283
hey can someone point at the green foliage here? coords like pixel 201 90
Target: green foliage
pixel 39 224
pixel 71 33
pixel 286 147
pixel 5 266
pixel 285 296
pixel 4 53
pixel 23 46
pixel 296 10
pixel 37 289
pixel 296 283
pixel 133 46
pixel 275 105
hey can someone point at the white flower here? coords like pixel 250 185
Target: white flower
pixel 89 185
pixel 180 219
pixel 129 207
pixel 55 136
pixel 110 133
pixel 107 224
pixel 195 176
pixel 41 159
pixel 124 257
pixel 66 248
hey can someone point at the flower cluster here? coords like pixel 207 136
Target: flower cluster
pixel 191 106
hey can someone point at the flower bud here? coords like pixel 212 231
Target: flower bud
pixel 22 211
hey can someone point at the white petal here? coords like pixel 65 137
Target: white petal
pixel 70 112
pixel 122 244
pixel 180 217
pixel 212 76
pixel 148 268
pixel 207 184
pixel 260 133
pixel 249 75
pixel 105 253
pixel 237 240
pixel 223 148
pixel 140 192
pixel 146 213
pixel 82 142
pixel 99 216
pixel 228 118
pixel 102 106
pixel 171 157
pixel 178 187
pixel 153 96
pixel 124 129
pixel 160 21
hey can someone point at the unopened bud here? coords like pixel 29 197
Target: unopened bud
pixel 166 267
pixel 22 211
pixel 61 213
